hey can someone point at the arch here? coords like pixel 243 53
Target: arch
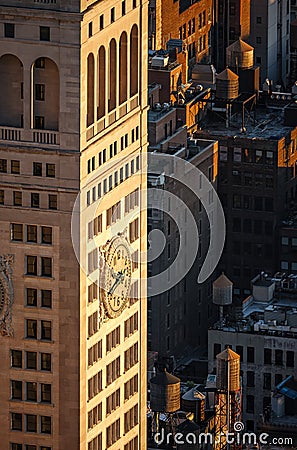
pixel 112 87
pixel 45 94
pixel 90 88
pixel 11 91
pixel 101 82
pixel 123 68
pixel 134 61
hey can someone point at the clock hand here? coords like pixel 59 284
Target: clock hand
pixel 119 279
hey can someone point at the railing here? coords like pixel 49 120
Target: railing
pixel 10 134
pixel 44 137
pixel 112 117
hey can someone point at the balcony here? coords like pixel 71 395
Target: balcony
pixel 29 137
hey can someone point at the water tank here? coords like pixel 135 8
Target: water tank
pixel 190 432
pixel 222 291
pixel 194 401
pixel 240 55
pixel 278 404
pixel 227 85
pixel 165 393
pixel 228 370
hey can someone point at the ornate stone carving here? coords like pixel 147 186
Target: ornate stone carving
pixel 6 295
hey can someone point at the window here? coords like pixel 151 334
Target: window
pixel 17 198
pixel 52 201
pixel 46 361
pixel 113 401
pixel 131 356
pixel 134 230
pixel 250 404
pixel 16 421
pixel 123 7
pixel 39 122
pixel 258 60
pixel 31 265
pixel 50 170
pixel 3 166
pixel 31 328
pixel 1 197
pixel 16 358
pixel 34 200
pixel 44 33
pixel 40 92
pixel 134 4
pixel 259 20
pixel 250 379
pixel 31 423
pixel 46 235
pixel 31 392
pixel 9 30
pixel 101 22
pixel 112 15
pixel 46 298
pixel 113 371
pixel 267 356
pixel 113 433
pixel 236 224
pixel 216 349
pixel 290 359
pixel 16 389
pixel 278 357
pixel 90 29
pixel 31 360
pixel 40 63
pixel 16 446
pixel 46 393
pixel 46 330
pixel 258 39
pixel 250 354
pixel 16 232
pixel 277 379
pixel 37 169
pixel 15 166
pixel 113 339
pixel 131 418
pixel 31 233
pixel 31 297
pixel 267 381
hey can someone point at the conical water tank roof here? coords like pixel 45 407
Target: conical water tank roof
pixel 240 55
pixel 228 370
pixel 165 392
pixel 227 85
pixel 222 291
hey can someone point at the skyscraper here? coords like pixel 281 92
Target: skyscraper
pixel 72 119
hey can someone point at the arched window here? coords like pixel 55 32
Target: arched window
pixel 112 88
pixel 123 67
pixel 134 68
pixel 45 95
pixel 90 89
pixel 101 82
pixel 11 91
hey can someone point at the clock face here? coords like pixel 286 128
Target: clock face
pixel 115 276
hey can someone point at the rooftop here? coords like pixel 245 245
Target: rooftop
pixel 273 312
pixel 265 122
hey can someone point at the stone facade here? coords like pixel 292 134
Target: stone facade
pixel 71 118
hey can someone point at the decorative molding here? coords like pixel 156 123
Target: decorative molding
pixel 6 295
